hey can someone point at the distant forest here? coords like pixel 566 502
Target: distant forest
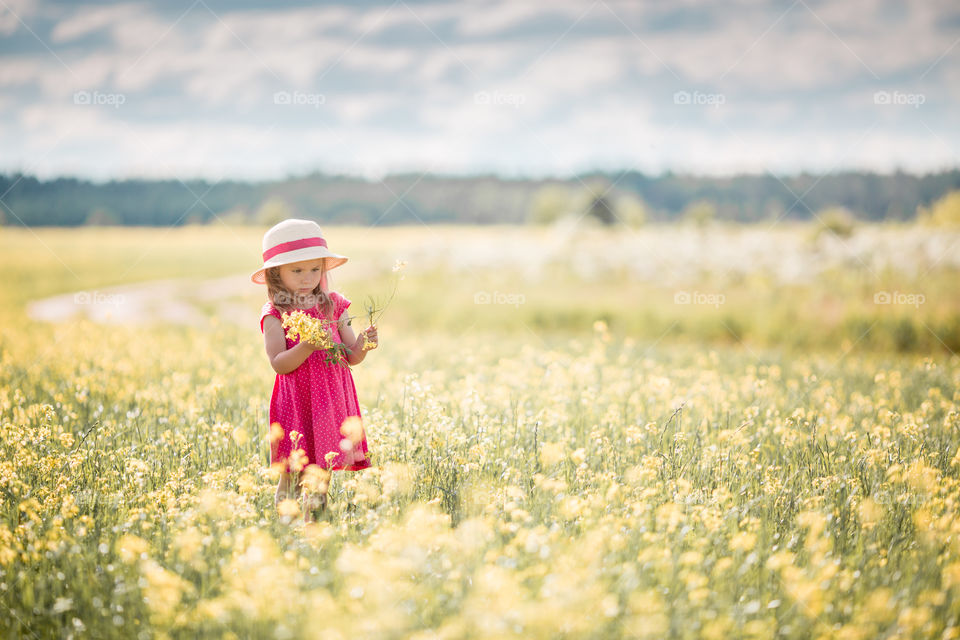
pixel 482 199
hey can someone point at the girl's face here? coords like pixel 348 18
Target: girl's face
pixel 301 277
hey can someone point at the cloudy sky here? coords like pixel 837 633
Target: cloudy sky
pixel 248 89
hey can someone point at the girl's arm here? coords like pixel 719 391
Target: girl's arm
pixel 354 343
pixel 283 360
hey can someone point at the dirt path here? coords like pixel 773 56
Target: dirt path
pixel 180 301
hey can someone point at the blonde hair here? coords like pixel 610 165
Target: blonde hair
pixel 282 298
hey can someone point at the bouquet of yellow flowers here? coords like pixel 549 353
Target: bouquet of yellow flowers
pixel 317 332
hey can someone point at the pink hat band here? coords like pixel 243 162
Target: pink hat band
pixel 293 245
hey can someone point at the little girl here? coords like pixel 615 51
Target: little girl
pixel 310 395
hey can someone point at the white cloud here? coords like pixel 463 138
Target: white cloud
pixel 264 29
pixel 575 67
pixel 777 47
pixel 353 110
pixel 493 17
pixel 593 96
pixel 14 13
pixel 88 20
pixel 20 70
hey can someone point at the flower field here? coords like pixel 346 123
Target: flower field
pixel 586 481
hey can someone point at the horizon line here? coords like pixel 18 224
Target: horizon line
pixel 502 176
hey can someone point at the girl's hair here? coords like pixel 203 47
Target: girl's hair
pixel 283 299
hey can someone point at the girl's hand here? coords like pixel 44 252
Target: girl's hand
pixel 368 338
pixel 310 346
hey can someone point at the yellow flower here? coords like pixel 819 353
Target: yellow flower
pixel 743 541
pixel 246 483
pixel 240 436
pixel 276 432
pixel 579 455
pixel 352 428
pixel 131 547
pixel 951 575
pixel 298 460
pixel 316 478
pixel 814 520
pixel 913 618
pixel 669 515
pixel 551 453
pixel 163 591
pixel 397 478
pixel 779 559
pixel 571 507
pixel 189 543
pixel 722 565
pixel 646 615
pixel 288 507
pixel 807 593
pixel 870 513
pixel 318 532
pixel 300 326
pixel 879 605
pixel 922 478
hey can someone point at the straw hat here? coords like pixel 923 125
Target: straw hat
pixel 294 240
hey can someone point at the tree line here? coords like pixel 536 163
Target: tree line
pixel 629 197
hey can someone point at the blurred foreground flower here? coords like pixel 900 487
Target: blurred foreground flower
pixel 131 548
pixel 298 460
pixel 276 432
pixel 288 508
pixel 316 479
pixel 352 428
pixel 551 453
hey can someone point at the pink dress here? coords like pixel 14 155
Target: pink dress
pixel 314 399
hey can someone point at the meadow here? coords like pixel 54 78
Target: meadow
pixel 576 433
